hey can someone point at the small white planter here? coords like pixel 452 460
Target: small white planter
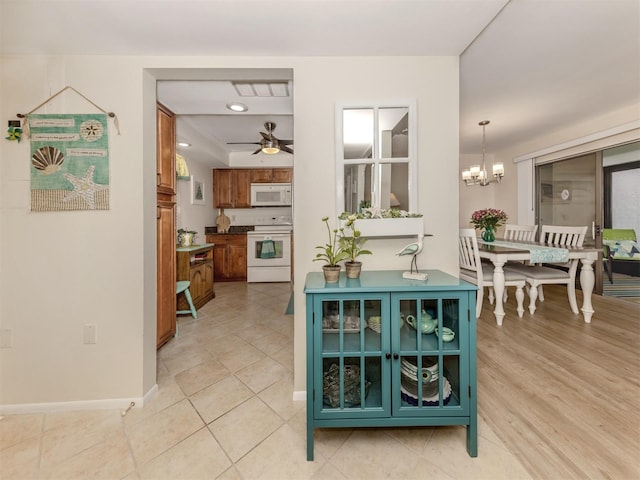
pixel 389 227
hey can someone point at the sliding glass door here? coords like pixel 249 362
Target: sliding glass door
pixel 569 192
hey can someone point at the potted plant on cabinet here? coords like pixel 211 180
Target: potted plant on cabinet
pixel 186 238
pixel 352 245
pixel 332 254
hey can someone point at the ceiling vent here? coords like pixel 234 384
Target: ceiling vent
pixel 262 89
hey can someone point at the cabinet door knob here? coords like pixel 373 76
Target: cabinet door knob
pixel 396 356
pixel 388 355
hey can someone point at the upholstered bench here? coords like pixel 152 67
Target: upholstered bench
pixel 620 245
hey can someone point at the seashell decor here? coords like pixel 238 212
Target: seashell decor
pixel 48 160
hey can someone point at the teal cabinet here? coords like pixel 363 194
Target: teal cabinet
pixel 386 351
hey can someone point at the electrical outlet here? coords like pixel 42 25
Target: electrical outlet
pixel 6 338
pixel 90 333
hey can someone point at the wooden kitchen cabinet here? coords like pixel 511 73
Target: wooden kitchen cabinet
pixel 165 150
pixel 282 175
pixel 229 257
pixel 166 283
pixel 165 225
pixel 232 188
pixel 271 175
pixel 261 175
pixel 196 265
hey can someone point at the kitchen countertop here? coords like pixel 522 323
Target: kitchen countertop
pixel 195 248
pixel 233 229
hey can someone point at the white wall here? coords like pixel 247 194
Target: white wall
pixel 62 270
pixel 193 216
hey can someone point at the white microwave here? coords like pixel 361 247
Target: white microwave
pixel 270 194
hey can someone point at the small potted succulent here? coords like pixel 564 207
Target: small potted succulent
pixel 352 244
pixel 332 254
pixel 186 238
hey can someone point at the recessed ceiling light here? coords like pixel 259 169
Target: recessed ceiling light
pixel 237 107
pixel 184 144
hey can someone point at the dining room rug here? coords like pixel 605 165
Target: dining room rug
pixel 624 287
pixel 289 310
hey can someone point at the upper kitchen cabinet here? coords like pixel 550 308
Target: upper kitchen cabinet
pixel 165 151
pixel 232 188
pixel 271 175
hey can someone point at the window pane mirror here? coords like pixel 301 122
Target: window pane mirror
pixel 376 161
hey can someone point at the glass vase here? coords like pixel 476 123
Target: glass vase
pixel 489 234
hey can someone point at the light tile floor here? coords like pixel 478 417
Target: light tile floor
pixel 224 411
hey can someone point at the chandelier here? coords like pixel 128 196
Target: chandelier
pixel 477 174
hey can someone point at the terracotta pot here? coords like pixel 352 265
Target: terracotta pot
pixel 331 273
pixel 353 269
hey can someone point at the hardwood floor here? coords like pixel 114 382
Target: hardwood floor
pixel 564 395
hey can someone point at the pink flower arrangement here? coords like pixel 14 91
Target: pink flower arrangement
pixel 488 217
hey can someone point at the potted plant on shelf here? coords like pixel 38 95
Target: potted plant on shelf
pixel 488 219
pixel 332 254
pixel 352 245
pixel 186 238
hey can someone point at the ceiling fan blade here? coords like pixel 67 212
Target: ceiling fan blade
pixel 285 142
pixel 267 136
pixel 257 151
pixel 286 149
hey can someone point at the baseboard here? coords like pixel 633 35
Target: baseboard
pixel 300 396
pixel 105 404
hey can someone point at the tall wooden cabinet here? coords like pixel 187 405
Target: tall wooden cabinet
pixel 166 224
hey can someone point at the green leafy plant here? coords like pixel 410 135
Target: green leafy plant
pixel 331 252
pixel 368 213
pixel 353 242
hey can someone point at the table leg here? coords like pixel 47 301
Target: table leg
pixel 587 281
pixel 498 287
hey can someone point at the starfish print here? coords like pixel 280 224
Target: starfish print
pixel 84 188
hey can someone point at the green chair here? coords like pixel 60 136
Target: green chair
pixel 619 245
pixel 183 287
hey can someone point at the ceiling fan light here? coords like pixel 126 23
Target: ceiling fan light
pixel 237 107
pixel 270 150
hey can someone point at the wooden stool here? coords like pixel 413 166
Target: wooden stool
pixel 183 286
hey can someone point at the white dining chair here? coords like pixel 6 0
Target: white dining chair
pixel 515 233
pixel 539 275
pixel 520 233
pixel 474 271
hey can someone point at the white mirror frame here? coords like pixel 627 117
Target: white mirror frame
pixel 383 227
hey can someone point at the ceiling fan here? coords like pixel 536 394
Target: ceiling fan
pixel 269 143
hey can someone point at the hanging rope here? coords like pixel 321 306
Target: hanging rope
pixel 24 117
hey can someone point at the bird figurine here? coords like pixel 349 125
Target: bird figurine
pixel 413 249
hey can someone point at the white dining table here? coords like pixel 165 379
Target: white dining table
pixel 521 251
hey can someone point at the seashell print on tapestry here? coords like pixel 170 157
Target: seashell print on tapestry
pixel 91 130
pixel 48 160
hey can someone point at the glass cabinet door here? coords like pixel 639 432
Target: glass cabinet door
pixel 429 340
pixel 354 374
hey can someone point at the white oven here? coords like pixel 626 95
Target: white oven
pixel 269 253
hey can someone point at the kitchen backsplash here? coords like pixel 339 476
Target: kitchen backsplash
pixel 256 216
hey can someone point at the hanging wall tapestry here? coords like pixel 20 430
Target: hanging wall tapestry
pixel 69 162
